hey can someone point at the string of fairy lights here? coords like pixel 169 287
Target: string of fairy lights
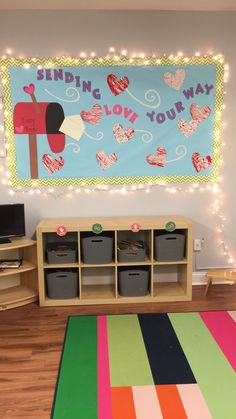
pixel 173 189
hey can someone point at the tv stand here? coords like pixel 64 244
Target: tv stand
pixel 4 240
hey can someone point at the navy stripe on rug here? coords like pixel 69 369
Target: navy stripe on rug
pixel 168 362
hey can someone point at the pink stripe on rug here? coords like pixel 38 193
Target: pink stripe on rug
pixel 233 315
pixel 223 329
pixel 193 401
pixel 146 402
pixel 104 393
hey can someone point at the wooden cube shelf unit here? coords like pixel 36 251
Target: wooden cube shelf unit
pixel 25 280
pixel 98 283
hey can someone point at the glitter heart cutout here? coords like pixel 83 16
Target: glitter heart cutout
pixel 105 161
pixel 52 165
pixel 158 159
pixel 176 80
pixel 122 135
pixel 92 117
pixel 201 163
pixel 117 86
pixel 199 114
pixel 187 128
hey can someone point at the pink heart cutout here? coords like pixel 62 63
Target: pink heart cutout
pixel 158 159
pixel 105 161
pixel 92 117
pixel 29 89
pixel 199 114
pixel 201 163
pixel 176 80
pixel 117 86
pixel 122 135
pixel 187 128
pixel 52 165
pixel 20 129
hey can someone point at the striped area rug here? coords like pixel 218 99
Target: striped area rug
pixel 148 366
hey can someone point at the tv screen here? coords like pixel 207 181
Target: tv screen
pixel 12 221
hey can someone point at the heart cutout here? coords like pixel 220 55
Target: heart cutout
pixel 158 159
pixel 199 114
pixel 176 80
pixel 20 129
pixel 201 163
pixel 92 117
pixel 187 128
pixel 52 165
pixel 105 161
pixel 122 135
pixel 117 86
pixel 29 89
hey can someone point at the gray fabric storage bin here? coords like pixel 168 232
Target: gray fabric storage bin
pixel 62 284
pixel 169 247
pixel 97 248
pixel 133 282
pixel 132 253
pixel 61 253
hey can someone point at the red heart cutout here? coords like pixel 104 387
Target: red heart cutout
pixel 92 117
pixel 117 86
pixel 29 89
pixel 52 165
pixel 122 135
pixel 199 114
pixel 20 129
pixel 201 163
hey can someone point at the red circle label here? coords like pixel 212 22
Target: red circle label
pixel 61 230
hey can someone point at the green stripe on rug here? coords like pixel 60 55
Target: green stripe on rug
pixel 129 365
pixel 76 395
pixel 211 369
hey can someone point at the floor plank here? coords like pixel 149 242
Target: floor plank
pixel 31 340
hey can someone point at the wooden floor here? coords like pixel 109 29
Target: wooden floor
pixel 31 340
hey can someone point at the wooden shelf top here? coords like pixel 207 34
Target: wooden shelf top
pixel 17 243
pixel 113 223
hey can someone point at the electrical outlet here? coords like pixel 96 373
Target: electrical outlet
pixel 197 245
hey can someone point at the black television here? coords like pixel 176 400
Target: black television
pixel 12 221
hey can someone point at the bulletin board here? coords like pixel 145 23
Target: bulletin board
pixel 113 120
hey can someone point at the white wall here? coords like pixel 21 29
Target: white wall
pixel 51 33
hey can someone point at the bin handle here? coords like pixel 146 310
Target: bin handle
pixel 171 238
pixel 135 274
pixel 96 240
pixel 61 276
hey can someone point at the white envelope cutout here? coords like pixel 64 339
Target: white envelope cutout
pixel 73 126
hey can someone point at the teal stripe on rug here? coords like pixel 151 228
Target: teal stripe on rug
pixel 129 365
pixel 76 395
pixel 211 369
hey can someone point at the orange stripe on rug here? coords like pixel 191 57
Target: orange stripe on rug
pixel 122 403
pixel 170 402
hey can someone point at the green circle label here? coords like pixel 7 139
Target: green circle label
pixel 97 228
pixel 170 226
